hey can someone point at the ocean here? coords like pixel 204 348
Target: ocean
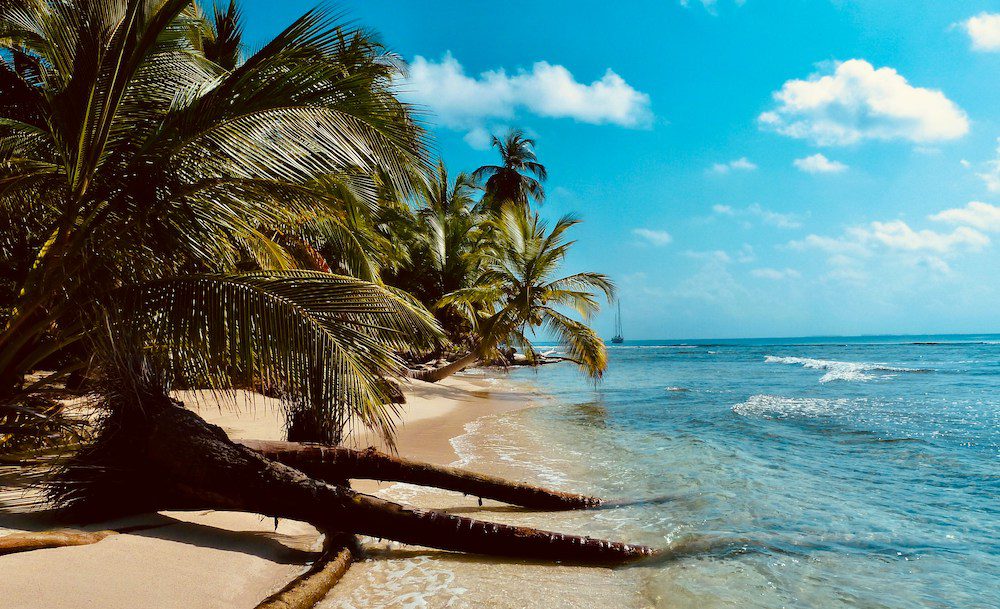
pixel 820 472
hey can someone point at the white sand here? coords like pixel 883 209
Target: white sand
pixel 219 559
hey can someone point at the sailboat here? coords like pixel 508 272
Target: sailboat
pixel 618 339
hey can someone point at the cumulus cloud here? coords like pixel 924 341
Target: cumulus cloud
pixel 766 216
pixel 657 238
pixel 775 274
pixel 984 31
pixel 858 102
pixel 895 235
pixel 895 244
pixel 899 236
pixel 818 163
pixel 976 214
pixel 740 164
pixel 463 101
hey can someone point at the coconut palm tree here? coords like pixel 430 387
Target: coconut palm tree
pixel 519 291
pixel 518 179
pixel 447 242
pixel 158 185
pixel 222 38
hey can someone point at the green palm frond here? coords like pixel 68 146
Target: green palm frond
pixel 518 289
pixel 323 341
pixel 584 346
pixel 151 166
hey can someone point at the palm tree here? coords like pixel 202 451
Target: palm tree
pixel 518 179
pixel 157 185
pixel 519 291
pixel 446 245
pixel 222 40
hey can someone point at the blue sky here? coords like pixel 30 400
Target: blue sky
pixel 755 168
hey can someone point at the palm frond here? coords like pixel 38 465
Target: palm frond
pixel 323 341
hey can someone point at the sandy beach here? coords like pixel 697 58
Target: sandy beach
pixel 221 559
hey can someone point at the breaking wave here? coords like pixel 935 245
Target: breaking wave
pixel 843 371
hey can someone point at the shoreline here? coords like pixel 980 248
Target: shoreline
pixel 226 559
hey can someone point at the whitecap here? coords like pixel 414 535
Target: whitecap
pixel 842 371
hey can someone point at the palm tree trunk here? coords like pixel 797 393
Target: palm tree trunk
pixel 437 374
pixel 26 542
pixel 336 464
pixel 195 466
pixel 311 587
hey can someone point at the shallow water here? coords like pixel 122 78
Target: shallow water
pixel 786 473
pixel 795 473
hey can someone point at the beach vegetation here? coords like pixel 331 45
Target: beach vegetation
pixel 177 212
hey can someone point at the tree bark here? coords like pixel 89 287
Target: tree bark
pixel 438 374
pixel 194 465
pixel 312 586
pixel 335 464
pixel 26 542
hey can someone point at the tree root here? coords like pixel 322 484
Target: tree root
pixel 311 587
pixel 26 542
pixel 337 464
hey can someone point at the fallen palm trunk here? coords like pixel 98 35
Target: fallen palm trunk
pixel 312 586
pixel 191 464
pixel 26 542
pixel 335 464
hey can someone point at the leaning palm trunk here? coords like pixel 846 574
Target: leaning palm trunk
pixel 439 374
pixel 335 464
pixel 182 462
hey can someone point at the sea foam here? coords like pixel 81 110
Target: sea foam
pixel 841 371
pixel 778 407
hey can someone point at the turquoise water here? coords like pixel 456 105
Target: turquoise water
pixel 794 472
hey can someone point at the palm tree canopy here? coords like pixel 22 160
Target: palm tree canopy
pixel 518 179
pixel 152 178
pixel 223 43
pixel 519 290
pixel 445 238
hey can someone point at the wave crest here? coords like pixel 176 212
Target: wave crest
pixel 842 371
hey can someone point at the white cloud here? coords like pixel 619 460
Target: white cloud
pixel 976 214
pixel 895 235
pixel 852 243
pixel 858 102
pixel 899 236
pixel 895 245
pixel 776 274
pixel 992 173
pixel 818 163
pixel 461 101
pixel 984 30
pixel 740 164
pixel 766 216
pixel 478 138
pixel 657 238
